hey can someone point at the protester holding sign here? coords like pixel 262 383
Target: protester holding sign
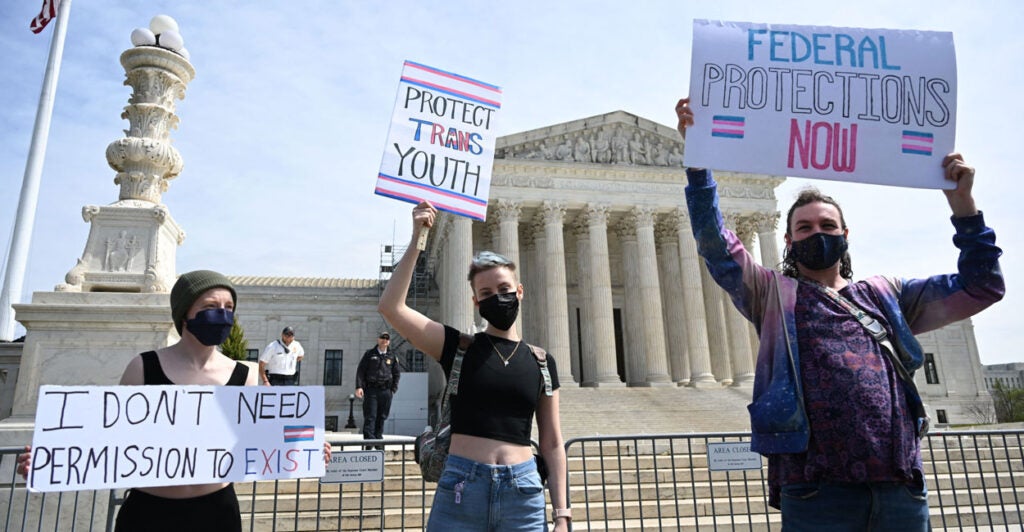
pixel 202 307
pixel 834 405
pixel 490 480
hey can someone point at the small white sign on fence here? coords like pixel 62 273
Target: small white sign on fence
pixel 732 456
pixel 355 466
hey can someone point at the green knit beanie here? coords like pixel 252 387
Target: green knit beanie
pixel 190 286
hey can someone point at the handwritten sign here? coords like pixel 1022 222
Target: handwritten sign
pixel 441 142
pixel 846 104
pixel 732 456
pixel 355 466
pixel 101 437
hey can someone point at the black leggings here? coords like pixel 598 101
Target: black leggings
pixel 215 512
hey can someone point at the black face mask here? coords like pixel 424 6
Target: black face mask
pixel 819 251
pixel 500 310
pixel 211 326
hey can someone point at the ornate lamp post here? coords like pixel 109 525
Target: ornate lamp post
pixel 351 424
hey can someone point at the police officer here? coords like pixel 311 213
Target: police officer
pixel 376 382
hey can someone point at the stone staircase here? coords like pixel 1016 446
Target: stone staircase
pixel 646 484
pixel 655 410
pixel 633 479
pixel 628 479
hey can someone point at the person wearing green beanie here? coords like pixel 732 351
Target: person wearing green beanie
pixel 202 307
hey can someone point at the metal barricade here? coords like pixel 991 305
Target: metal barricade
pixel 636 482
pixel 663 482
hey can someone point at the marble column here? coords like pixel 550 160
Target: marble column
pixel 556 315
pixel 741 353
pixel 505 234
pixel 603 344
pixel 632 314
pixel 718 337
pixel 667 237
pixel 536 289
pixel 697 341
pixel 588 357
pixel 460 250
pixel 650 293
pixel 531 281
pixel 766 222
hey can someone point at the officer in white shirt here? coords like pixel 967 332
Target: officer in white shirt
pixel 279 359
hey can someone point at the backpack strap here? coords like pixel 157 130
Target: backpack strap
pixel 542 360
pixel 465 340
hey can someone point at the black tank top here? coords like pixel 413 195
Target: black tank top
pixel 152 373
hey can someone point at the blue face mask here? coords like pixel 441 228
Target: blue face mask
pixel 211 326
pixel 819 251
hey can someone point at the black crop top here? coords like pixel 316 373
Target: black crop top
pixel 152 373
pixel 494 400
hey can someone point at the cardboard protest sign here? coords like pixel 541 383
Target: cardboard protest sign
pixel 846 104
pixel 441 142
pixel 102 437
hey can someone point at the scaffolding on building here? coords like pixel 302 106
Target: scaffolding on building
pixel 422 292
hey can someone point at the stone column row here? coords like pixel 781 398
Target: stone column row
pixel 679 326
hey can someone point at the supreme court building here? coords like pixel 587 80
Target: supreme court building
pixel 593 212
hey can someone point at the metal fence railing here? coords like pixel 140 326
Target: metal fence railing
pixel 664 482
pixel 637 482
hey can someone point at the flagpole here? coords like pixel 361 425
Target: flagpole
pixel 17 259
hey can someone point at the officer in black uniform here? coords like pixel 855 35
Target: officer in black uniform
pixel 376 383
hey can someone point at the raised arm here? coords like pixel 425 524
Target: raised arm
pixel 425 334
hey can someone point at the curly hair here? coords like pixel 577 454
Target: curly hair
pixel 806 197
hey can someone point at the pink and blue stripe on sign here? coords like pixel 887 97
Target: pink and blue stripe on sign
pixel 452 84
pixel 445 200
pixel 917 142
pixel 730 127
pixel 294 433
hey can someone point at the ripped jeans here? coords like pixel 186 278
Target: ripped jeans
pixel 473 497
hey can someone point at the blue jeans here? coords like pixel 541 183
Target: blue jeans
pixel 472 497
pixel 874 506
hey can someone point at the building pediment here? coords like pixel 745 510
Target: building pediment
pixel 617 138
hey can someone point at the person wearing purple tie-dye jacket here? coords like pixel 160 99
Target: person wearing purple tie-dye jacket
pixel 829 409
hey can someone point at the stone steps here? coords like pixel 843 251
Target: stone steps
pixel 654 488
pixel 655 410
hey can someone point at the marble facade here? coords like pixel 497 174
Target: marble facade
pixel 614 288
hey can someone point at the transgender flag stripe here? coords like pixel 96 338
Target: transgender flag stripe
pixel 730 127
pixel 298 433
pixel 917 142
pixel 452 84
pixel 413 192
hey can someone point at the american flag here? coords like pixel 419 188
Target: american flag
pixel 48 13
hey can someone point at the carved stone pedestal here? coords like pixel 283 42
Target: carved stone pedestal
pixel 86 338
pixel 131 248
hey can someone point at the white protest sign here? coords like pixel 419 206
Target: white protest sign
pixel 732 456
pixel 355 466
pixel 102 437
pixel 441 142
pixel 846 104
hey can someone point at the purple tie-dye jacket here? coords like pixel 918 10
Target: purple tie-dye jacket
pixel 767 298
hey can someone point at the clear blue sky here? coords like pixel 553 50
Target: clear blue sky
pixel 283 128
